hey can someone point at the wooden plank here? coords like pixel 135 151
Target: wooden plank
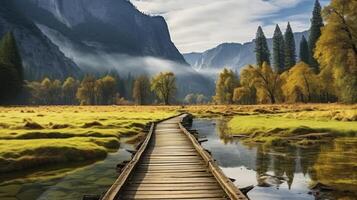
pixel 171 196
pixel 177 192
pixel 173 180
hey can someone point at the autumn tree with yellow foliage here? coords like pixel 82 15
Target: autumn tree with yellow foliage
pixel 336 50
pixel 300 84
pixel 266 82
pixel 225 85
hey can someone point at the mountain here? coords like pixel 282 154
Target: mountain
pixel 95 28
pixel 231 55
pixel 60 38
pixel 40 56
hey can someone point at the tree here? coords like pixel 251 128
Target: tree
pixel 225 85
pixel 304 50
pixel 141 90
pixel 69 89
pixel 9 54
pixel 105 90
pixel 266 81
pixel 164 85
pixel 336 49
pixel 86 91
pixel 9 83
pixel 11 78
pixel 278 50
pixel 201 99
pixel 247 94
pixel 301 83
pixel 261 48
pixel 191 99
pixel 56 92
pixel 244 95
pixel 315 33
pixel 290 54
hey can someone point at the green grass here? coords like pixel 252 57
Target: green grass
pixel 274 129
pixel 33 136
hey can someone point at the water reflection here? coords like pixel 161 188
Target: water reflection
pixel 66 182
pixel 284 172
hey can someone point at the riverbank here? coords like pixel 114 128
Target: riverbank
pixel 38 136
pixel 302 124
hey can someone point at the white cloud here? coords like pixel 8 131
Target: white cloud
pixel 197 25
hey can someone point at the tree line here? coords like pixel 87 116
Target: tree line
pixel 105 90
pixel 325 72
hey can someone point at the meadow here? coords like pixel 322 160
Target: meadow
pixel 49 135
pixel 297 124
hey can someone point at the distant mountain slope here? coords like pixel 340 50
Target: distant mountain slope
pixel 232 55
pixel 108 26
pixel 40 56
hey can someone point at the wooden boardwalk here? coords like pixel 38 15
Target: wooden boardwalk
pixel 172 165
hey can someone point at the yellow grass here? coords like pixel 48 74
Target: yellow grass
pixel 32 136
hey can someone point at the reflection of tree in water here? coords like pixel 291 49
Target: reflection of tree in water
pixel 223 131
pixel 281 160
pixel 262 164
pixel 284 163
pixel 336 165
pixel 308 157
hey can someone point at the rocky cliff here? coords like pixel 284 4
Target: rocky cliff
pixel 40 56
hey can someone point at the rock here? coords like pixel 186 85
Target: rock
pixel 245 190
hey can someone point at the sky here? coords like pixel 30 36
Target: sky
pixel 198 25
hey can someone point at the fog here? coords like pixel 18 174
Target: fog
pixel 97 60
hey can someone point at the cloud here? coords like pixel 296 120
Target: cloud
pixel 197 25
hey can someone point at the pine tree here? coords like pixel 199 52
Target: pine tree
pixel 11 74
pixel 304 50
pixel 261 48
pixel 290 54
pixel 278 50
pixel 315 33
pixel 9 53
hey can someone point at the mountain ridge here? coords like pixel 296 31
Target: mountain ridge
pixel 231 55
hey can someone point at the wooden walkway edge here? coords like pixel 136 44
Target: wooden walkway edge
pixel 171 164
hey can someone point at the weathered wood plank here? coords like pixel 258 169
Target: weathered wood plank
pixel 170 196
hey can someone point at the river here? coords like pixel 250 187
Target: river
pixel 284 172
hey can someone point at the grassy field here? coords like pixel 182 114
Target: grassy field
pixel 37 136
pixel 303 124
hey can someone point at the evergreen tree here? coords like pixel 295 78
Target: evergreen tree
pixel 11 73
pixel 261 48
pixel 304 50
pixel 278 50
pixel 9 53
pixel 290 54
pixel 315 33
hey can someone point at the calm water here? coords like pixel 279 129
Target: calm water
pixel 64 183
pixel 284 173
